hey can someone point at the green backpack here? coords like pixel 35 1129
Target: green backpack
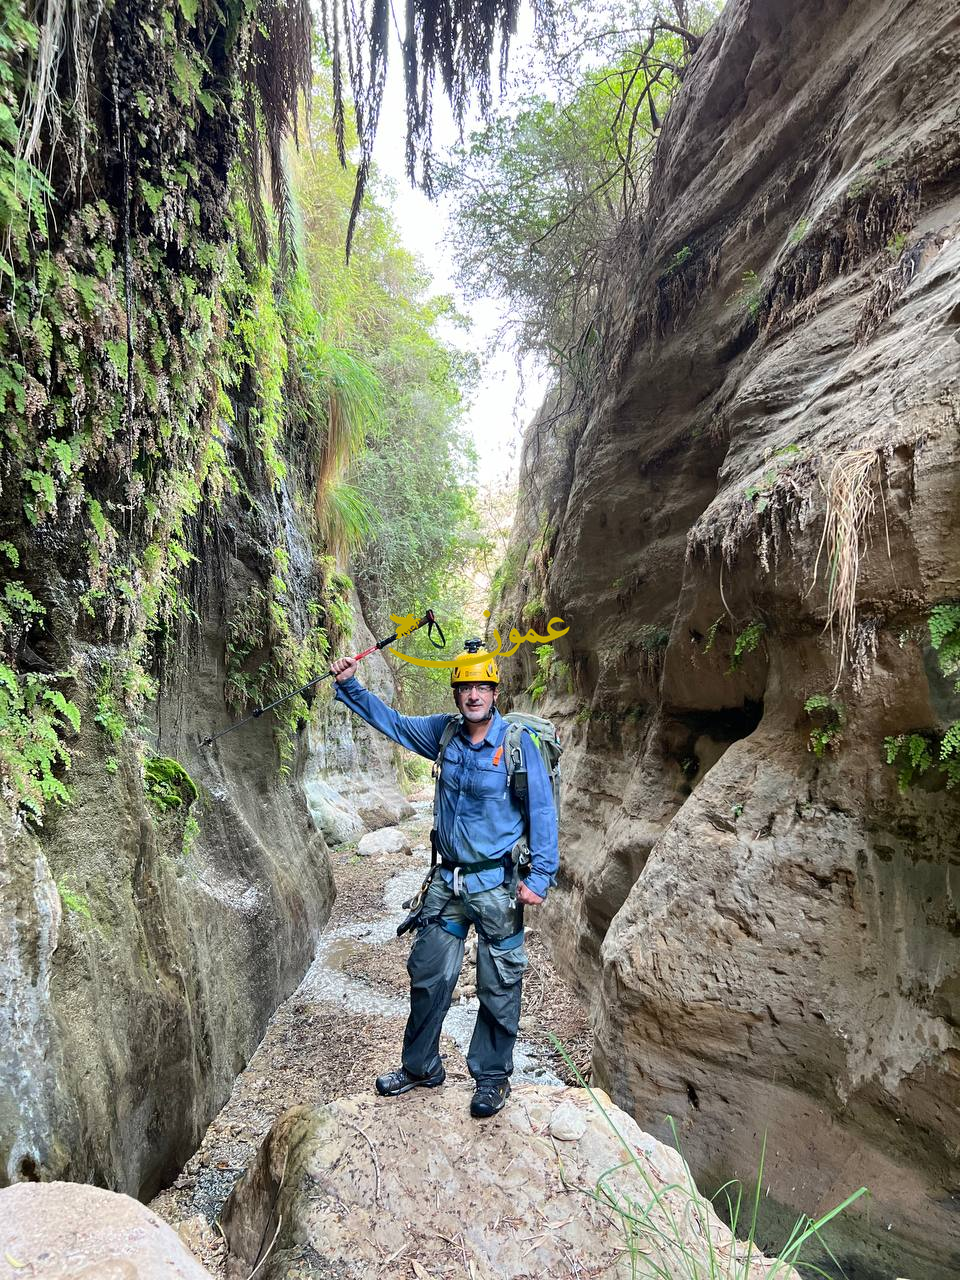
pixel 544 736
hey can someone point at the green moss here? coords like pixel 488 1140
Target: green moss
pixel 167 783
pixel 73 901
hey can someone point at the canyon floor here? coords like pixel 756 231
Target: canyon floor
pixel 344 1025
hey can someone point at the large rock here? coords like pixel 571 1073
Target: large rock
pixel 366 1187
pixel 390 840
pixel 66 1231
pixel 769 938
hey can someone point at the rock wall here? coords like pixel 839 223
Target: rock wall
pixel 768 936
pixel 165 567
pixel 140 962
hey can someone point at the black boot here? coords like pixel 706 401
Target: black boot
pixel 489 1098
pixel 401 1081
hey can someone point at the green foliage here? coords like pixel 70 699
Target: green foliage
pixel 396 482
pixel 746 642
pixel 944 624
pixel 750 293
pixel 761 492
pixel 191 832
pixel 508 574
pixel 711 637
pixel 544 672
pixel 828 716
pixel 34 719
pixel 896 244
pixel 75 902
pixel 541 192
pixel 798 231
pixel 652 637
pixel 920 753
pixel 912 753
pixel 167 783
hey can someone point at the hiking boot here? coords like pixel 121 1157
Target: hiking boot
pixel 489 1098
pixel 401 1081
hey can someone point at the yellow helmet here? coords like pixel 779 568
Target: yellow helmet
pixel 469 671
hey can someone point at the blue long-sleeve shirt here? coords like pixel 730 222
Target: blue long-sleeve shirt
pixel 478 816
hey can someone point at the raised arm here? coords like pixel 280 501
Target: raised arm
pixel 418 733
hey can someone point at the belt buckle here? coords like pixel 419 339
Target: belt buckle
pixel 457 882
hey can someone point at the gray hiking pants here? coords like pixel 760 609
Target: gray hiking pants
pixel 434 966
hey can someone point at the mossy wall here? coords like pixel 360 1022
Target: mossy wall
pixel 162 574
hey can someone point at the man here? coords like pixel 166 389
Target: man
pixel 480 830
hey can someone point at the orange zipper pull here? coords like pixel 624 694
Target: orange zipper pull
pixel 497 755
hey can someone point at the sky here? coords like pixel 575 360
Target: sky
pixel 503 402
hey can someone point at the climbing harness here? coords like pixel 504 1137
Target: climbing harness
pixel 516 863
pixel 428 620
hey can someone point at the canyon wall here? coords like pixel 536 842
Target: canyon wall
pixel 765 924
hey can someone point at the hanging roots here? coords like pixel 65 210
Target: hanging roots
pixel 453 38
pixel 852 489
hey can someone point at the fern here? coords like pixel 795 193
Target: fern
pixel 746 642
pixel 944 624
pixel 826 735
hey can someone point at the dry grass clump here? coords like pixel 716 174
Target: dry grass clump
pixel 852 489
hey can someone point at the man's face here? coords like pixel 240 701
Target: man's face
pixel 475 701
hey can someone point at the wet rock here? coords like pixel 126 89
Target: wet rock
pixel 66 1230
pixel 347 1183
pixel 390 840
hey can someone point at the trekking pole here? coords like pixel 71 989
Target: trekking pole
pixel 428 620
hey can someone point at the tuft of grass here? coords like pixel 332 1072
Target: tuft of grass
pixel 668 1233
pixel 750 293
pixel 798 231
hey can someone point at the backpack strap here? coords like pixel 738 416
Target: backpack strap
pixel 516 769
pixel 446 737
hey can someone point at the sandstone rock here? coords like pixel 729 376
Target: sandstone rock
pixel 768 937
pixel 68 1231
pixel 342 1187
pixel 568 1123
pixel 389 840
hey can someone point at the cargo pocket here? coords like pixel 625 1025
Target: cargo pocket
pixel 509 963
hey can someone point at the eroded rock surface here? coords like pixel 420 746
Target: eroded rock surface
pixel 769 937
pixel 367 1186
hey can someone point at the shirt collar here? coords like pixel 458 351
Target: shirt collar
pixel 496 730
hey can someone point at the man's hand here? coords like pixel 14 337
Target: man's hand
pixel 343 669
pixel 527 896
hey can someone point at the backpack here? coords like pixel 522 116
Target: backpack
pixel 544 737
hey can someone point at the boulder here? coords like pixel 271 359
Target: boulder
pixel 363 1187
pixel 70 1231
pixel 389 840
